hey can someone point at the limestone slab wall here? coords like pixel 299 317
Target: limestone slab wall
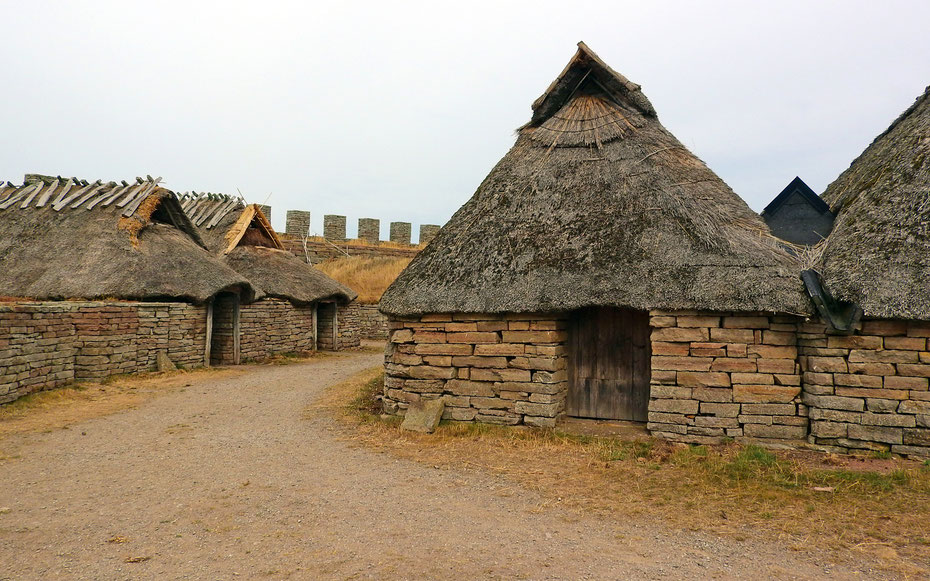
pixel 46 344
pixel 720 375
pixel 501 369
pixel 372 323
pixel 347 326
pixel 273 326
pixel 868 391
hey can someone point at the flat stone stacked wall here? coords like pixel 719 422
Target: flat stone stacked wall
pixel 347 326
pixel 273 326
pixel 501 369
pixel 725 375
pixel 372 323
pixel 36 348
pixel 46 344
pixel 868 391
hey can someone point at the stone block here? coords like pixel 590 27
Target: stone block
pixel 899 382
pixel 775 431
pixel 827 364
pixel 438 360
pixel 883 356
pixel 423 416
pixel 753 378
pixel 443 349
pixel 835 415
pixel 662 321
pixel 550 376
pixel 881 405
pixel 677 406
pixel 671 363
pixel 787 379
pixel 773 351
pixel 460 326
pixel 491 325
pixel 882 434
pixel 665 348
pixel 890 420
pixel 480 374
pixel 755 419
pixel 828 429
pixel 669 392
pixel 664 377
pixel 848 380
pixel 872 368
pixel 770 409
pixel 477 361
pixel 906 343
pixel 854 342
pixel 460 414
pixel 538 422
pixel 505 419
pixel 545 410
pixel 656 429
pixel 716 422
pixel 400 232
pixel 870 392
pixel 775 365
pixel 817 378
pixel 473 337
pixel 428 232
pixel 698 321
pixel 503 349
pixel 703 379
pixel 424 385
pixel 741 365
pixel 912 451
pixel 680 335
pixel 779 338
pixel 532 387
pixel 884 328
pixel 765 393
pixel 534 336
pixel 723 410
pixel 670 418
pixel 430 372
pixel 334 227
pixel 491 403
pixel 738 336
pixel 740 322
pixel 916 370
pixel 712 394
pixel 851 404
pixel 914 407
pixel 462 387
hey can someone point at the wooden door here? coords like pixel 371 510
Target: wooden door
pixel 609 364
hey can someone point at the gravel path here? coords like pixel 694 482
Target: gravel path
pixel 225 480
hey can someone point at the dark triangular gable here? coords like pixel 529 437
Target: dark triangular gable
pixel 796 185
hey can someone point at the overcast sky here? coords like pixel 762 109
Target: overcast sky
pixel 398 110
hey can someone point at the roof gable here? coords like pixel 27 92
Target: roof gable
pixel 796 185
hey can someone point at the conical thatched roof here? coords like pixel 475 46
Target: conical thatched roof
pixel 242 236
pixel 67 238
pixel 878 255
pixel 598 204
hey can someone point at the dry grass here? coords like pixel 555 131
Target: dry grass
pixel 368 276
pixel 865 509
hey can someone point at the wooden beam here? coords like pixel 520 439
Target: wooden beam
pixel 237 231
pixel 209 342
pixel 236 329
pixel 313 320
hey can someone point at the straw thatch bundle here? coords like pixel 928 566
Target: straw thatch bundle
pixel 67 238
pixel 878 255
pixel 244 238
pixel 598 204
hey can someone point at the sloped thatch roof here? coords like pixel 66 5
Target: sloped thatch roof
pixel 878 255
pixel 66 238
pixel 243 237
pixel 598 204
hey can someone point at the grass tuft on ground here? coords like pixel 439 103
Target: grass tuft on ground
pixel 876 508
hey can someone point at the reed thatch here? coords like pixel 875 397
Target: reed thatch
pixel 878 255
pixel 67 238
pixel 598 204
pixel 242 236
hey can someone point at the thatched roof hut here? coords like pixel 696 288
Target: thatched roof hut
pixel 67 238
pixel 242 236
pixel 598 204
pixel 878 255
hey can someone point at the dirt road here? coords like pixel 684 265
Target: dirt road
pixel 226 480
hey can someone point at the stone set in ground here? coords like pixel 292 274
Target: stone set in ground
pixel 502 370
pixel 749 376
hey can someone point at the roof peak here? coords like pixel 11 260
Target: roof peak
pixel 586 65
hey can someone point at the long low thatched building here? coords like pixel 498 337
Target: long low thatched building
pixel 99 279
pixel 601 270
pixel 298 308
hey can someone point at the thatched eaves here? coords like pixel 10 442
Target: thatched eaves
pixel 878 255
pixel 598 204
pixel 67 238
pixel 241 235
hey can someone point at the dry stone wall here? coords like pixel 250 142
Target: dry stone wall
pixel 372 323
pixel 868 391
pixel 725 375
pixel 507 369
pixel 347 326
pixel 273 326
pixel 46 344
